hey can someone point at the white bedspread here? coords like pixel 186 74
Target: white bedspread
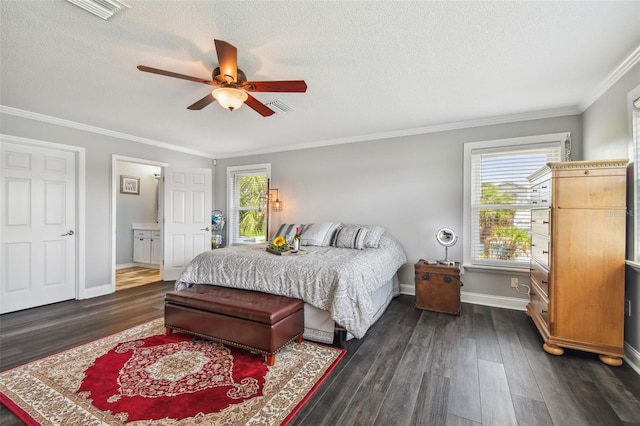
pixel 337 280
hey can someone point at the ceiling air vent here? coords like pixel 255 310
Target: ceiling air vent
pixel 105 9
pixel 279 107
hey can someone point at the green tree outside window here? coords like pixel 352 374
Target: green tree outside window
pixel 252 220
pixel 500 237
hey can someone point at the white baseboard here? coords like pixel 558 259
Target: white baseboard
pixel 514 303
pixel 126 265
pixel 97 291
pixel 142 265
pixel 408 289
pixel 632 357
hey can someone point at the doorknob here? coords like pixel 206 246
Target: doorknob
pixel 205 229
pixel 70 232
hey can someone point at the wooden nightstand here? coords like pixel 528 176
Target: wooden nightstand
pixel 438 287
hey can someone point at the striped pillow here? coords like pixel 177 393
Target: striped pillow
pixel 372 236
pixel 349 237
pixel 318 234
pixel 288 230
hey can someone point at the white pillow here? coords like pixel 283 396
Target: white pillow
pixel 318 234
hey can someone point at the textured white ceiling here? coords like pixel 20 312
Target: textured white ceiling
pixel 373 69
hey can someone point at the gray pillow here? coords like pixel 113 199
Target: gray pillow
pixel 318 234
pixel 349 237
pixel 288 230
pixel 372 236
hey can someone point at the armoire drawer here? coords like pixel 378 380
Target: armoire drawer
pixel 541 221
pixel 540 276
pixel 540 249
pixel 540 307
pixel 541 194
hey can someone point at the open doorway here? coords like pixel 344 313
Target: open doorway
pixel 137 245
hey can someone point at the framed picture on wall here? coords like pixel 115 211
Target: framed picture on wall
pixel 129 185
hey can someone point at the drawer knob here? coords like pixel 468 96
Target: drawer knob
pixel 447 279
pixel 545 282
pixel 426 277
pixel 545 222
pixel 544 311
pixel 545 251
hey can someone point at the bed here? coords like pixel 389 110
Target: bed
pixel 347 275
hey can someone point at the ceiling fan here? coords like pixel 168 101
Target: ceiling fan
pixel 232 84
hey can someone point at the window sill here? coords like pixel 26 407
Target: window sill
pixel 633 264
pixel 496 269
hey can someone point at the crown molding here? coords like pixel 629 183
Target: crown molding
pixel 512 118
pixel 618 72
pixel 612 78
pixel 504 119
pixel 98 130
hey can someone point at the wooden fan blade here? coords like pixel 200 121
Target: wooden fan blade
pixel 202 102
pixel 258 106
pixel 227 59
pixel 176 75
pixel 293 86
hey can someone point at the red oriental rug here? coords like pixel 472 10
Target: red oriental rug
pixel 140 376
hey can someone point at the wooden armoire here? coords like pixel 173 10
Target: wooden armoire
pixel 578 224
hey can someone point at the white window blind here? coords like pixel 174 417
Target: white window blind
pixel 247 216
pixel 498 207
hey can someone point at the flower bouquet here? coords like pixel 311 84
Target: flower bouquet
pixel 278 245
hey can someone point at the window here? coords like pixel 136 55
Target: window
pixel 497 204
pixel 247 216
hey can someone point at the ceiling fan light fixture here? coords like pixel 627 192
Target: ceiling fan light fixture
pixel 230 97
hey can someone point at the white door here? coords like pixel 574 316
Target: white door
pixel 187 217
pixel 38 224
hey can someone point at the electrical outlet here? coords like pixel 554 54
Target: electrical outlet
pixel 627 307
pixel 514 282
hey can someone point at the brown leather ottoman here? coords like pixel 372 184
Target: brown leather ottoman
pixel 251 320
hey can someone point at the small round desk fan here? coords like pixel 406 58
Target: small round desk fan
pixel 446 237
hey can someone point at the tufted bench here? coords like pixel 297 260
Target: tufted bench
pixel 247 319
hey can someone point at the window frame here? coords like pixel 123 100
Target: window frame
pixel 563 140
pixel 233 222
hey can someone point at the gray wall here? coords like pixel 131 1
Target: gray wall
pixel 607 135
pixel 99 151
pixel 410 185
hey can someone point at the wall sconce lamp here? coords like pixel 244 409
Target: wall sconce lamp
pixel 276 204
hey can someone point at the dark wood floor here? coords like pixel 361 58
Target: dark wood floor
pixel 413 367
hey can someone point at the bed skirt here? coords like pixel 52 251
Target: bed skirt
pixel 319 327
